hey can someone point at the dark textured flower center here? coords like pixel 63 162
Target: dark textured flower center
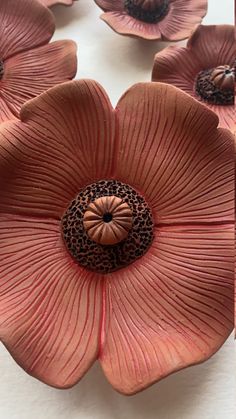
pixel 1 69
pixel 217 85
pixel 107 226
pixel 149 11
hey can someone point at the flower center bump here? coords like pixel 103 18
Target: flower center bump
pixel 217 85
pixel 108 220
pixel 1 69
pixel 107 226
pixel 149 11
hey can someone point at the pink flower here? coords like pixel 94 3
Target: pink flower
pixel 50 3
pixel 116 234
pixel 170 20
pixel 205 69
pixel 29 65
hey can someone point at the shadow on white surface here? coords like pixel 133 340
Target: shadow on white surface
pixel 137 53
pixel 164 398
pixel 66 15
pixel 184 395
pixel 173 397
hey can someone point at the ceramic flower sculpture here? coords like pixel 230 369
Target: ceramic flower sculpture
pixel 50 3
pixel 29 65
pixel 170 20
pixel 116 234
pixel 205 69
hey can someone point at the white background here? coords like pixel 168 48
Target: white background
pixel 207 391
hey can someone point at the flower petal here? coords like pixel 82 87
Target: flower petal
pixel 180 66
pixel 171 309
pixel 176 66
pixel 50 308
pixel 110 5
pixel 226 115
pixel 213 45
pixel 50 3
pixel 30 73
pixel 29 26
pixel 171 151
pixel 66 141
pixel 127 25
pixel 5 112
pixel 182 18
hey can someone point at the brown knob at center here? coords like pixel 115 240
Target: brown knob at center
pixel 108 220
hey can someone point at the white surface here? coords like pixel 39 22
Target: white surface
pixel 207 391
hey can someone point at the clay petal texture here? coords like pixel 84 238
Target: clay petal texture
pixel 213 45
pixel 209 47
pixel 5 112
pixel 177 66
pixel 30 26
pixel 226 115
pixel 181 19
pixel 110 5
pixel 30 64
pixel 50 3
pixel 30 73
pixel 127 25
pixel 169 309
pixel 173 309
pixel 166 156
pixel 50 308
pixel 65 143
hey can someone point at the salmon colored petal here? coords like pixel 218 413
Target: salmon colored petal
pixel 50 3
pixel 30 73
pixel 66 141
pixel 210 46
pixel 5 112
pixel 213 45
pixel 127 25
pixel 171 309
pixel 182 18
pixel 30 25
pixel 171 151
pixel 226 115
pixel 111 5
pixel 176 66
pixel 50 308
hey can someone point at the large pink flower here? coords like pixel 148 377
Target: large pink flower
pixel 205 69
pixel 171 20
pixel 29 65
pixel 50 3
pixel 116 234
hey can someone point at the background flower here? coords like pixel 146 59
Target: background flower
pixel 171 20
pixel 172 307
pixel 30 65
pixel 50 3
pixel 209 48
